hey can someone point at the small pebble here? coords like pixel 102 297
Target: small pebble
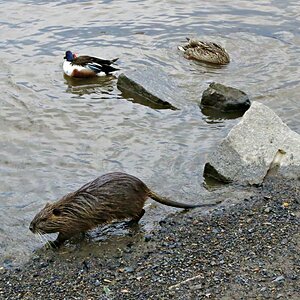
pixel 147 238
pixel 44 265
pixel 128 270
pixel 267 210
pixel 279 279
pixel 285 204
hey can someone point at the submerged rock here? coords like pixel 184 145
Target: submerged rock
pixel 258 146
pixel 223 98
pixel 149 86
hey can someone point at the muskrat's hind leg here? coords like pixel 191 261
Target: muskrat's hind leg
pixel 134 221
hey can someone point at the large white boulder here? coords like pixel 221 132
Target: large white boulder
pixel 260 144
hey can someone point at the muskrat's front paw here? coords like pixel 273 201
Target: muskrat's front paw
pixel 53 244
pixel 131 224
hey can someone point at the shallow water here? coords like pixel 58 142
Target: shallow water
pixel 57 134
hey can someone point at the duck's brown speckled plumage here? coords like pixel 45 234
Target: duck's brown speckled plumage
pixel 205 51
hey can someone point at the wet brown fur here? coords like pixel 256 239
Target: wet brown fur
pixel 113 196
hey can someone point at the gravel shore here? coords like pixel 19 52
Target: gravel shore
pixel 246 251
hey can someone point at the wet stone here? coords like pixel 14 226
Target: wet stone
pixel 219 97
pixel 267 210
pixel 279 279
pixel 149 86
pixel 128 269
pixel 147 238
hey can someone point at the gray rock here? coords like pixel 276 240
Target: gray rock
pixel 149 86
pixel 260 145
pixel 267 210
pixel 279 279
pixel 223 98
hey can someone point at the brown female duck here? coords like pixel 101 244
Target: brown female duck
pixel 205 51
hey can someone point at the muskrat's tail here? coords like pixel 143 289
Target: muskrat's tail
pixel 172 203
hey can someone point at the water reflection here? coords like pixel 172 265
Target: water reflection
pixel 140 99
pixel 98 84
pixel 213 115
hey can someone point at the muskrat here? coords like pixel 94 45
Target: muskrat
pixel 113 196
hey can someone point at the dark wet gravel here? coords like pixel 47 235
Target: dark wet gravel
pixel 249 251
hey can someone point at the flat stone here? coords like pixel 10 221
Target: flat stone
pixel 279 279
pixel 223 98
pixel 149 86
pixel 259 145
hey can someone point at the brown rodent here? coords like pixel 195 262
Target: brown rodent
pixel 113 196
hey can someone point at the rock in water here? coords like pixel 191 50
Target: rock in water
pixel 223 98
pixel 259 145
pixel 149 86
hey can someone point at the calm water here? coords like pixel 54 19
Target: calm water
pixel 56 135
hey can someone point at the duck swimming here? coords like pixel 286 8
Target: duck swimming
pixel 205 51
pixel 87 66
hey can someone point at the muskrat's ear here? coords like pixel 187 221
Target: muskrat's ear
pixel 56 212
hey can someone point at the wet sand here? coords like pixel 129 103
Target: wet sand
pixel 246 251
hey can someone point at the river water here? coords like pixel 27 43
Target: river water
pixel 57 134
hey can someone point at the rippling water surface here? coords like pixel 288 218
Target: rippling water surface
pixel 57 134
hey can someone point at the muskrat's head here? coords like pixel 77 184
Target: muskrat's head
pixel 48 220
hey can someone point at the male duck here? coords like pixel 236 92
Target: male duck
pixel 87 66
pixel 205 51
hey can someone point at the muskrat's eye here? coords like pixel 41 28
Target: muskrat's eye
pixel 56 212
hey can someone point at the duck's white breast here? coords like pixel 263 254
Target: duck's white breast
pixel 69 68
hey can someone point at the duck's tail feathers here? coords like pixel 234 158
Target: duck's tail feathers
pixel 101 61
pixel 97 68
pixel 180 48
pixel 107 69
